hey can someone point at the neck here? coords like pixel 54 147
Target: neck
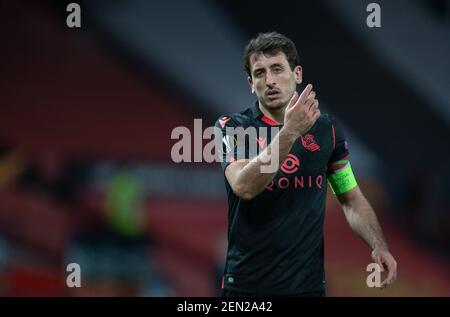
pixel 276 115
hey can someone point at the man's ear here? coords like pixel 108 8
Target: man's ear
pixel 298 74
pixel 250 82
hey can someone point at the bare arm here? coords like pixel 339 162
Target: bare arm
pixel 363 221
pixel 245 176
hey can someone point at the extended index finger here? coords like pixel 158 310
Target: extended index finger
pixel 305 93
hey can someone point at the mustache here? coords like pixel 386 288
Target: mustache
pixel 273 90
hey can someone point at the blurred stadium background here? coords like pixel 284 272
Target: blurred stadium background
pixel 86 117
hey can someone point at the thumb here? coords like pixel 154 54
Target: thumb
pixel 376 257
pixel 379 262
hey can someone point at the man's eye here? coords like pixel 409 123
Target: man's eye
pixel 278 69
pixel 258 74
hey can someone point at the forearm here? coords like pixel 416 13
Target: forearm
pixel 363 221
pixel 256 174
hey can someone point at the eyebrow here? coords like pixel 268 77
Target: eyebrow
pixel 271 66
pixel 276 65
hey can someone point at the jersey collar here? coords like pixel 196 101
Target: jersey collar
pixel 258 115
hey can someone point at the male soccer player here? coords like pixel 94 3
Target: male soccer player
pixel 275 220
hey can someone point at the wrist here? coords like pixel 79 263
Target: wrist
pixel 288 134
pixel 379 246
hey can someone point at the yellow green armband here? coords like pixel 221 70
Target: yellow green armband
pixel 342 180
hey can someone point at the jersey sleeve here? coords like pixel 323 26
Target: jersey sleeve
pixel 228 146
pixel 340 145
pixel 340 174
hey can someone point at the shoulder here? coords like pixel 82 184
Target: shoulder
pixel 243 118
pixel 325 118
pixel 329 121
pixel 329 118
pixel 324 121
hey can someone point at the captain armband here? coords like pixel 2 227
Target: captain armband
pixel 342 180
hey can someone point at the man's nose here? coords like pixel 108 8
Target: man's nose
pixel 270 81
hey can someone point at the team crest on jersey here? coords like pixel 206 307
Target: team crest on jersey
pixel 309 143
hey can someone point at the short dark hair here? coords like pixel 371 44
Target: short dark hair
pixel 271 43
